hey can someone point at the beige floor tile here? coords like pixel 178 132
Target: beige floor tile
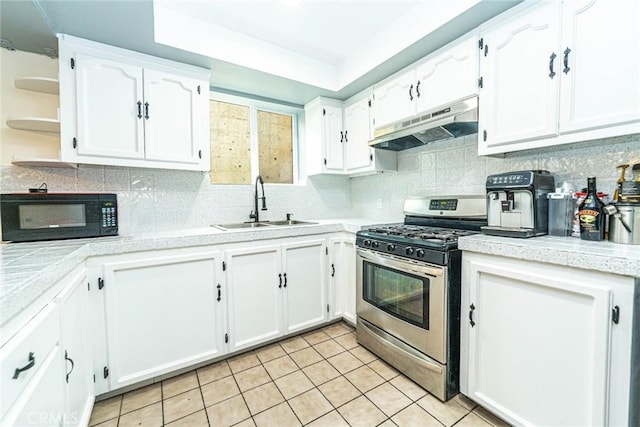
pixel 363 354
pixel 329 348
pixel 362 413
pixel 182 405
pixel 293 384
pixel 280 415
pixel 105 410
pixel 339 391
pixel 294 344
pixel 332 419
pixel 213 372
pixel 412 390
pixel 448 413
pixel 314 337
pixel 246 423
pixel 337 329
pixel 310 405
pixel 280 367
pixel 109 423
pixel 139 398
pixel 228 412
pixel 306 357
pixel 321 372
pixel 472 420
pixel 388 423
pixel 251 378
pixel 413 416
pixel 179 384
pixel 384 370
pixel 489 417
pixel 219 390
pixel 464 401
pixel 348 341
pixel 364 378
pixel 149 416
pixel 345 362
pixel 197 419
pixel 264 397
pixel 270 352
pixel 243 361
pixel 388 399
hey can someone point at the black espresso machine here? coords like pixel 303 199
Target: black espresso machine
pixel 517 204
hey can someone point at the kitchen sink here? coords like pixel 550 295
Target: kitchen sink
pixel 290 222
pixel 242 225
pixel 237 225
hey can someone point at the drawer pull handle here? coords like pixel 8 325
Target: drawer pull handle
pixel 32 362
pixel 66 357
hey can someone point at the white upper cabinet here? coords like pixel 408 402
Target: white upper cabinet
pixel 448 76
pixel 600 65
pixel 395 99
pixel 554 73
pixel 357 134
pixel 126 109
pixel 333 135
pixel 324 136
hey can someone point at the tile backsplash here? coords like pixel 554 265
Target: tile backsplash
pixel 158 200
pixel 453 167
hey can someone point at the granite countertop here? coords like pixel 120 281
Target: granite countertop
pixel 568 251
pixel 28 270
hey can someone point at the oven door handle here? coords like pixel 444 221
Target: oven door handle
pixel 399 264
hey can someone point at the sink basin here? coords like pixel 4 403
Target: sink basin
pixel 237 225
pixel 290 222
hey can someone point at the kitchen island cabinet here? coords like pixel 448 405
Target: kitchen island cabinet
pixel 162 311
pixel 275 290
pixel 548 345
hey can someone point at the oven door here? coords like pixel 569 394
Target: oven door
pixel 404 298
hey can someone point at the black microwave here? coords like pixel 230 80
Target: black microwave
pixel 28 217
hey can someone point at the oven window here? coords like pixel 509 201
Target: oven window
pixel 400 294
pixel 51 216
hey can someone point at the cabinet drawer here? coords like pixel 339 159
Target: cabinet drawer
pixel 39 336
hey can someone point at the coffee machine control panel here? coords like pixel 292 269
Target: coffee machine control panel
pixel 520 179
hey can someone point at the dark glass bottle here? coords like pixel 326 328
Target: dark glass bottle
pixel 591 214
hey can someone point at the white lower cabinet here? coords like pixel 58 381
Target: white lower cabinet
pixel 163 312
pixel 342 271
pixel 539 342
pixel 76 350
pixel 275 290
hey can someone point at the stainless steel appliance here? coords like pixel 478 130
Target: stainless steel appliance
pixel 408 288
pixel 30 217
pixel 624 223
pixel 517 204
pixel 445 122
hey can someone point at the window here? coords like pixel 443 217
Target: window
pixel 250 138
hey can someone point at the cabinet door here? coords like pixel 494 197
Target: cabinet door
pixel 173 117
pixel 395 99
pixel 343 278
pixel 255 283
pixel 541 332
pixel 519 98
pixel 357 125
pixel 161 315
pixel 75 343
pixel 601 78
pixel 304 284
pixel 449 76
pixel 109 105
pixel 333 136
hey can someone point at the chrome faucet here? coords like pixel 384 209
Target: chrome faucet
pixel 254 213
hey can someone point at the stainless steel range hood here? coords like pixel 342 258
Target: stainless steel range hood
pixel 445 122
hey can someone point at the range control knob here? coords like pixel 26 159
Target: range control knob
pixel 375 244
pixel 367 242
pixel 409 250
pixel 420 253
pixel 391 247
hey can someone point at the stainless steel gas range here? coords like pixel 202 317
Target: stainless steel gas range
pixel 408 288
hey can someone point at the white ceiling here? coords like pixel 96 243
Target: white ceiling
pixel 262 48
